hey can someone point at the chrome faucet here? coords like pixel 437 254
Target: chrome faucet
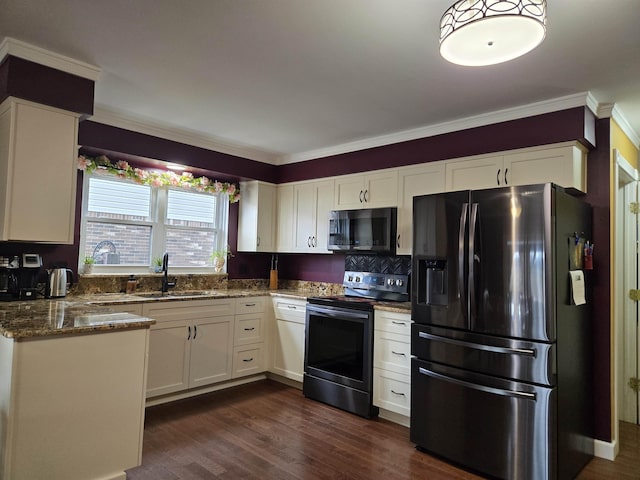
pixel 166 284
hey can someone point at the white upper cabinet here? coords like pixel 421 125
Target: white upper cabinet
pixel 415 181
pixel 563 164
pixel 38 171
pixel 312 203
pixel 285 228
pixel 370 190
pixel 257 217
pixel 474 173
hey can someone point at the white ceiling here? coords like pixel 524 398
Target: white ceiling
pixel 287 80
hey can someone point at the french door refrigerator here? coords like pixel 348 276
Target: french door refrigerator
pixel 501 378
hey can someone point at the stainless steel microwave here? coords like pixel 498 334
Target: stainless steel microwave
pixel 368 230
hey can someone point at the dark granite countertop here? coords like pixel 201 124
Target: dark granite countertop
pixel 41 318
pixel 90 313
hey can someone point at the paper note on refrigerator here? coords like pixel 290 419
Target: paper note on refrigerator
pixel 577 287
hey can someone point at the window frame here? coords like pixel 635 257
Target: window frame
pixel 158 201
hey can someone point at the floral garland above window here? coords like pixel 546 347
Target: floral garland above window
pixel 122 169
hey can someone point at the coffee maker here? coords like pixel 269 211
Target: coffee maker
pixel 19 276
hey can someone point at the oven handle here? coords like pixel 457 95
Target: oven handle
pixel 338 312
pixel 478 346
pixel 476 386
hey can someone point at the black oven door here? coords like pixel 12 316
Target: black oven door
pixel 339 345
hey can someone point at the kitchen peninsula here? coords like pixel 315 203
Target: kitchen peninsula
pixel 72 390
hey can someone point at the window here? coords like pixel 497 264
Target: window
pixel 125 226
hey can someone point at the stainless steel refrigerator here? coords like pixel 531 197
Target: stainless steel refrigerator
pixel 501 376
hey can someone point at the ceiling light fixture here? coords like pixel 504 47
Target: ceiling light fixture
pixel 486 32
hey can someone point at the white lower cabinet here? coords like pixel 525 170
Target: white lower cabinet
pixel 190 345
pixel 249 336
pixel 287 357
pixel 392 362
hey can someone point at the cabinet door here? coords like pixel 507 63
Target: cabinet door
pixel 349 192
pixel 211 351
pixel 169 350
pixel 565 166
pixel 285 221
pixel 304 200
pixel 413 182
pixel 312 203
pixel 256 218
pixel 381 189
pixel 38 167
pixel 288 355
pixel 266 219
pixel 324 205
pixel 471 174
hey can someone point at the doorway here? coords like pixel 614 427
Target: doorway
pixel 626 282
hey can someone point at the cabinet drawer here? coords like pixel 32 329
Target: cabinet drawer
pixel 291 310
pixel 248 360
pixel 249 329
pixel 392 352
pixel 393 322
pixel 392 391
pixel 250 305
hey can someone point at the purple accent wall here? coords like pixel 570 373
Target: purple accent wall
pixel 98 136
pixel 598 196
pixel 312 267
pixel 48 86
pixel 562 126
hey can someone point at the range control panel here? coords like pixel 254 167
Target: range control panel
pixel 384 282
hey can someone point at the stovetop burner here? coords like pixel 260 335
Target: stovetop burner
pixel 362 289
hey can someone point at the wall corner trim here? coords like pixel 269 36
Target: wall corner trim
pixel 26 51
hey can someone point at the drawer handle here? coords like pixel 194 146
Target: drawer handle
pixel 249 329
pixel 189 334
pixel 249 304
pixel 195 331
pixel 399 394
pixel 399 323
pixel 248 359
pixel 292 307
pixel 400 354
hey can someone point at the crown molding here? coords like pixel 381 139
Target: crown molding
pixel 547 106
pixel 611 110
pixel 17 48
pixel 147 126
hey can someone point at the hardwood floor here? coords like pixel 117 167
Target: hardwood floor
pixel 267 430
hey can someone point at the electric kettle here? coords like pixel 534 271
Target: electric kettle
pixel 57 281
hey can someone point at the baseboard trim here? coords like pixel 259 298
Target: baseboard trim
pixel 606 450
pixel 287 381
pixel 171 397
pixel 394 417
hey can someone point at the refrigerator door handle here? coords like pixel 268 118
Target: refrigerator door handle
pixel 478 346
pixel 472 258
pixel 476 386
pixel 461 244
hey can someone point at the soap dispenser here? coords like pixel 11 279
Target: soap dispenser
pixel 132 283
